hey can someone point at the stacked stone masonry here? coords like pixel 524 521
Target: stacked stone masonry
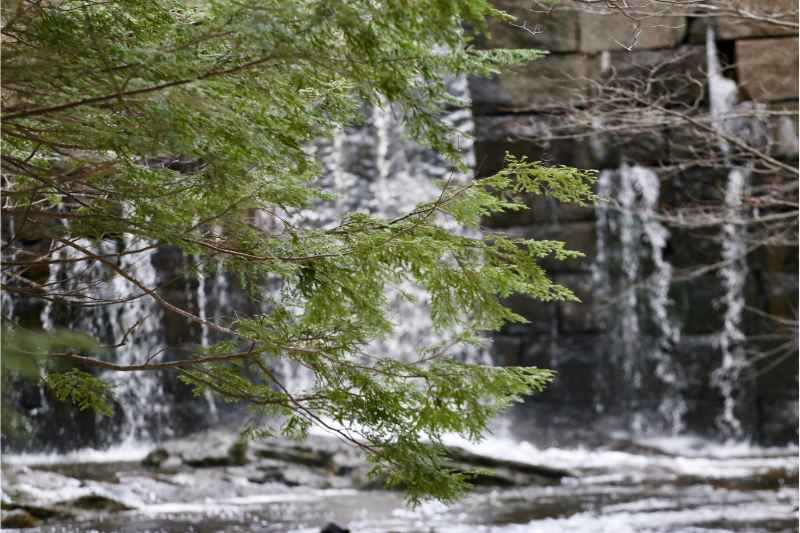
pixel 519 110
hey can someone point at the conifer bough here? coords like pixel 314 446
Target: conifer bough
pixel 176 121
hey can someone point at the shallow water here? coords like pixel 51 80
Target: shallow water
pixel 674 485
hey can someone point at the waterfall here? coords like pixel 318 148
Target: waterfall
pixel 673 406
pixel 721 90
pixel 205 336
pixel 734 276
pixel 129 327
pixel 723 98
pixel 375 168
pixel 643 334
pixel 372 168
pixel 140 393
pixel 7 301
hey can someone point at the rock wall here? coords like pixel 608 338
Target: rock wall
pixel 630 357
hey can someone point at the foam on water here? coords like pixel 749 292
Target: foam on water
pixel 124 452
pixel 650 520
pixel 375 168
pixel 687 457
pixel 224 504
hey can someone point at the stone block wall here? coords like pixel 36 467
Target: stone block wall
pixel 519 110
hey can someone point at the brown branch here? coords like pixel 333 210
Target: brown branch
pixel 183 363
pixel 145 90
pixel 152 292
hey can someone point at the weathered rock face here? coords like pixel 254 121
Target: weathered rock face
pixel 613 31
pixel 534 28
pixel 742 27
pixel 575 30
pixel 547 81
pixel 764 67
pixel 642 350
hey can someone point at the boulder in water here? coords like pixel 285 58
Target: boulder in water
pixel 156 458
pixel 490 471
pixel 313 452
pixel 95 502
pixel 211 448
pixel 17 519
pixel 333 528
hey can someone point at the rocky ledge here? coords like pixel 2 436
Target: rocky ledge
pixel 218 467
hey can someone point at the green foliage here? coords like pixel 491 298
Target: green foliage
pixel 176 121
pixel 82 389
pixel 26 351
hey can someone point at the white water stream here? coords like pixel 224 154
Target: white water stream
pixel 643 333
pixel 376 169
pixel 733 273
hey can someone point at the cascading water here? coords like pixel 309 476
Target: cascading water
pixel 723 97
pixel 633 280
pixel 138 322
pixel 644 333
pixel 734 274
pixel 631 482
pixel 374 168
pixel 119 315
pixel 205 334
pixel 130 327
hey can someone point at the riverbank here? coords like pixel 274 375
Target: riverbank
pixel 212 483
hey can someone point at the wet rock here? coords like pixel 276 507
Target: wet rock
pixel 24 485
pixel 771 479
pixel 333 528
pixel 95 502
pixel 214 449
pixel 267 473
pixel 156 458
pixel 300 476
pixel 558 79
pixel 490 471
pixel 313 452
pixel 541 316
pixel 43 512
pixel 578 236
pixel 201 450
pixel 18 519
pixel 507 349
pixel 324 462
pixel 48 495
pixel 633 447
pixel 582 316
